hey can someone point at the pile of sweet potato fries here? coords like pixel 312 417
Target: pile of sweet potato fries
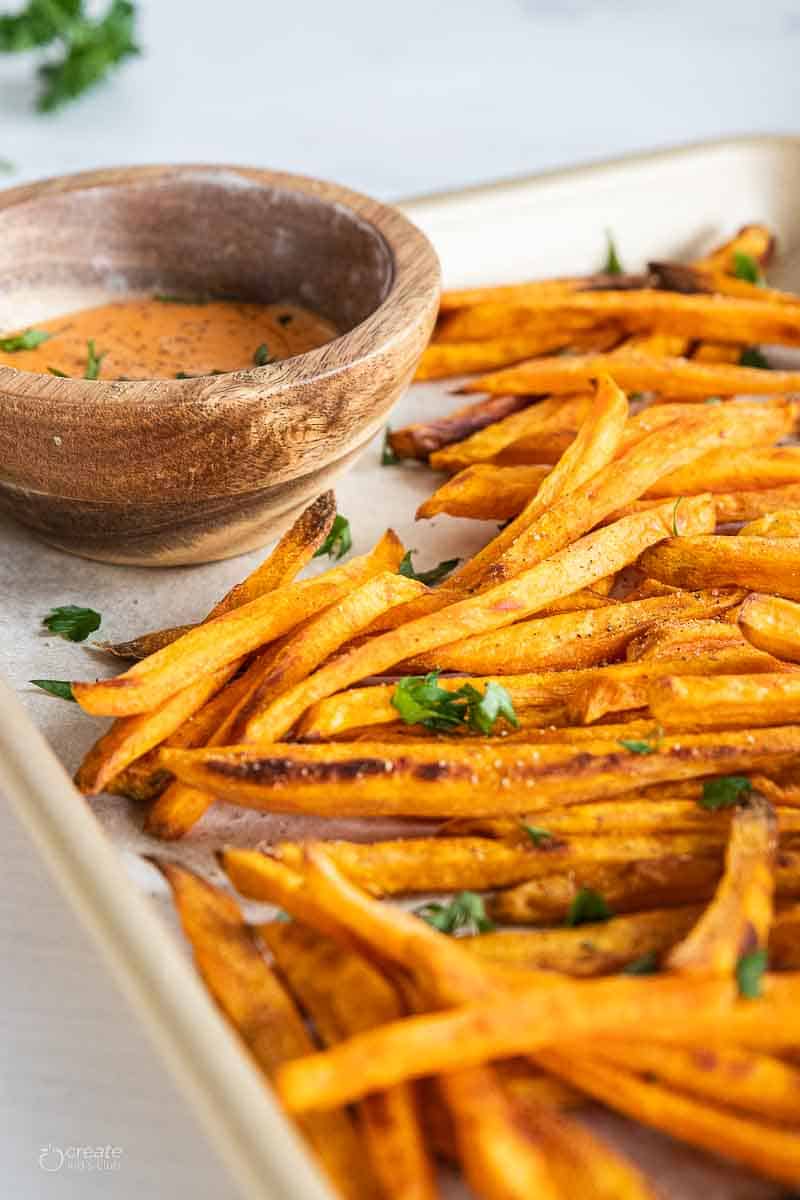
pixel 601 712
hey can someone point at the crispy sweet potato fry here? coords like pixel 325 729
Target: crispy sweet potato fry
pixel 715 318
pixel 422 438
pixel 673 639
pixel 755 1083
pixel 443 780
pixel 343 994
pixel 579 565
pixel 485 492
pixel 772 1151
pixel 263 1015
pixel 477 863
pixel 294 550
pixel 505 293
pixel 531 1017
pixel 727 701
pixel 772 624
pixel 749 506
pixel 225 639
pixel 594 949
pixel 737 921
pixel 769 564
pixel 719 471
pixel 784 523
pixel 572 640
pixel 553 416
pixel 442 360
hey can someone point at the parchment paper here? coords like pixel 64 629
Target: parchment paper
pixel 35 578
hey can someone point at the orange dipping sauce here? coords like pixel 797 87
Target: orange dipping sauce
pixel 171 338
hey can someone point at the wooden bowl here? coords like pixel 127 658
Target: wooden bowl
pixel 187 471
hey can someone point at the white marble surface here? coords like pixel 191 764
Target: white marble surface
pixel 394 100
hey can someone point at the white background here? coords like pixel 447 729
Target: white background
pixel 393 100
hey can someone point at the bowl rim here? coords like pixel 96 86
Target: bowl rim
pixel 415 277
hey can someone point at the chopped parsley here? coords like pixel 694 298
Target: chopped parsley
pixel 612 265
pixel 675 530
pixel 725 792
pixel 338 541
pixel 421 701
pixel 647 964
pixel 539 836
pixel 645 745
pixel 749 973
pixel 28 340
pixel 388 456
pixel 747 268
pixel 55 371
pixel 751 356
pixel 262 355
pixel 465 913
pixel 72 621
pixel 434 575
pixel 587 906
pixel 56 687
pixel 93 361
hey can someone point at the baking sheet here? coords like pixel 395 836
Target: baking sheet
pixel 668 205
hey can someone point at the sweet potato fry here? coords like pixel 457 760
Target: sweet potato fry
pixel 593 949
pixel 447 864
pixel 579 565
pixel 343 994
pixel 754 240
pixel 772 1151
pixel 715 318
pixel 370 779
pixel 754 1083
pixel 772 624
pixel 635 372
pixel 264 1016
pixel 225 639
pixel 485 492
pixel 520 1023
pixel 294 550
pixel 749 506
pixel 727 701
pixel 442 360
pixel 769 564
pixel 506 293
pixel 422 438
pixel 737 921
pixel 552 416
pixel 675 638
pixel 783 523
pixel 719 471
pixel 572 640
pixel 784 939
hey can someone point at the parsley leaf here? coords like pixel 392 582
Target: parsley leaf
pixel 612 265
pixel 55 371
pixel 749 971
pixel 56 687
pixel 388 456
pixel 587 906
pixel 675 530
pixel 645 746
pixel 338 541
pixel 91 49
pixel 434 575
pixel 464 913
pixel 725 792
pixel 28 340
pixel 93 361
pixel 72 621
pixel 746 267
pixel 421 701
pixel 751 356
pixel 646 965
pixel 40 23
pixel 262 355
pixel 538 835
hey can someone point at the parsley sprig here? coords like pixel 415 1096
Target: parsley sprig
pixel 746 267
pixel 643 745
pixel 28 340
pixel 465 913
pixel 752 356
pixel 389 457
pixel 612 265
pixel 72 621
pixel 434 575
pixel 90 47
pixel 587 906
pixel 749 972
pixel 338 541
pixel 725 792
pixel 55 687
pixel 420 700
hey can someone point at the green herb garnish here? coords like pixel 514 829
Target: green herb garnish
pixel 749 972
pixel 261 356
pixel 284 318
pixel 421 701
pixel 612 266
pixel 59 374
pixel 645 745
pixel 56 687
pixel 539 836
pixel 675 530
pixel 713 400
pixel 725 792
pixel 587 906
pixel 388 456
pixel 646 965
pixel 89 47
pixel 751 356
pixel 28 340
pixel 72 622
pixel 338 541
pixel 465 913
pixel 93 361
pixel 434 575
pixel 747 268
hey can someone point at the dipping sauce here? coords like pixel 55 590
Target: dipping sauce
pixel 169 337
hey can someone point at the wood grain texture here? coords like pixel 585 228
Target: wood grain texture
pixel 183 471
